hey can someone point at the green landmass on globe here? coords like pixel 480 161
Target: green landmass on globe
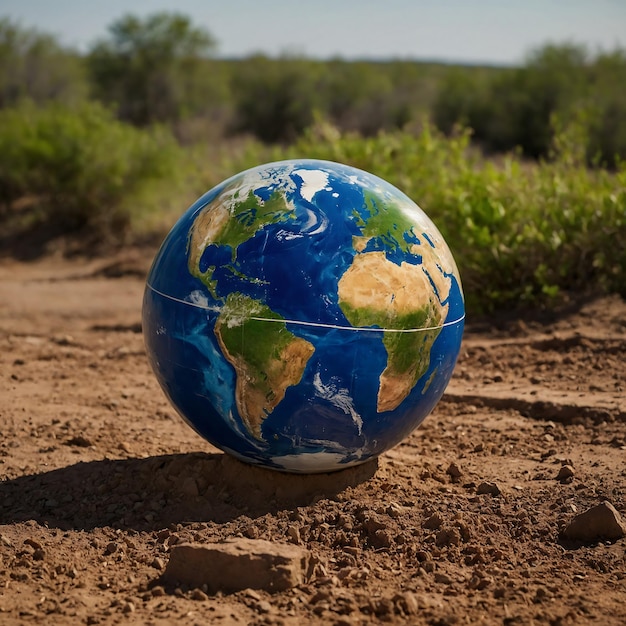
pixel 230 221
pixel 384 220
pixel 376 292
pixel 266 356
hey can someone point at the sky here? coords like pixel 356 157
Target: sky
pixel 467 31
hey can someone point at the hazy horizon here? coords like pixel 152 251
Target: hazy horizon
pixel 485 32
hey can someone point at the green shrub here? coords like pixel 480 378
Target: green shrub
pixel 274 100
pixel 81 167
pixel 515 107
pixel 34 65
pixel 154 69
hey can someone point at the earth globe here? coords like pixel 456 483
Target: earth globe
pixel 303 315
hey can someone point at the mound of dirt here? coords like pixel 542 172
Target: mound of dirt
pixel 461 523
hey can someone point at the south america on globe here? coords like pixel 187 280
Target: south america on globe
pixel 304 315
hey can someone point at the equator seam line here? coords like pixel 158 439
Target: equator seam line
pixel 315 324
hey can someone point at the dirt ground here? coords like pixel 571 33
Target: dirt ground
pixel 459 524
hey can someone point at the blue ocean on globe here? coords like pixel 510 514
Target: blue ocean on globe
pixel 304 315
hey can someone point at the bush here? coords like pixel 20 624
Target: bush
pixel 34 65
pixel 515 107
pixel 80 167
pixel 154 69
pixel 274 100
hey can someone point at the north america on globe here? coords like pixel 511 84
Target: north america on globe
pixel 322 306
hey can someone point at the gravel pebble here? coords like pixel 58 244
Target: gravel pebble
pixel 488 488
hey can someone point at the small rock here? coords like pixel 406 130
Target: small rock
pixel 111 547
pixel 263 607
pixel 198 594
pixel 407 602
pixel 157 563
pixel 373 523
pixel 251 531
pixel 63 340
pixel 448 537
pixel 479 582
pixel 294 534
pixel 395 510
pixel 381 539
pixel 39 554
pixel 600 522
pixel 440 577
pixel 454 471
pixel 433 522
pixel 79 441
pixel 320 596
pixel 565 473
pixel 157 591
pixel 251 593
pixel 128 607
pixel 382 607
pixel 33 543
pixel 488 488
pixel 237 564
pixel 347 572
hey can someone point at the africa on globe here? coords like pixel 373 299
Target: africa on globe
pixel 304 315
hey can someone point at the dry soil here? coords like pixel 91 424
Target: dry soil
pixel 461 523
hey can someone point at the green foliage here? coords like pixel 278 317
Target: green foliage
pixel 607 107
pixel 153 70
pixel 81 168
pixel 33 65
pixel 522 234
pixel 274 100
pixel 364 96
pixel 160 69
pixel 516 107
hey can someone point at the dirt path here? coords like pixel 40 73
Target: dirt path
pixel 459 524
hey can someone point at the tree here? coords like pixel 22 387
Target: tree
pixel 35 66
pixel 515 107
pixel 275 100
pixel 360 96
pixel 153 70
pixel 607 105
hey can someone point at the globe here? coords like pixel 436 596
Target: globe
pixel 303 315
